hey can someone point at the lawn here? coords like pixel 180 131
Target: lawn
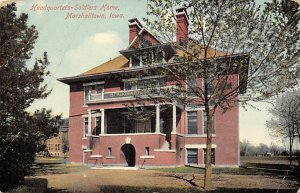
pixel 57 176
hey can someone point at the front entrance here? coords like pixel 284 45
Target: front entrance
pixel 129 153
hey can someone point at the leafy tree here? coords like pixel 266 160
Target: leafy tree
pixel 21 133
pixel 286 121
pixel 259 43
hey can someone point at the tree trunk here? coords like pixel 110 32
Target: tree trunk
pixel 208 168
pixel 291 149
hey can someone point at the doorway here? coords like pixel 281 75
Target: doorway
pixel 129 153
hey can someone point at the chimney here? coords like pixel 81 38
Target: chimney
pixel 182 24
pixel 134 28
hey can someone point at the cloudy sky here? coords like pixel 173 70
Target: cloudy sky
pixel 76 45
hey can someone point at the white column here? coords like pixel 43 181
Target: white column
pixel 89 121
pixel 130 62
pixel 174 126
pixel 102 121
pixel 141 60
pixel 157 125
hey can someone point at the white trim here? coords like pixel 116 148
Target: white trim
pixel 165 150
pixel 195 109
pixel 157 119
pixel 174 119
pixel 102 126
pixel 96 115
pixel 93 83
pixel 96 156
pixel 147 157
pixel 87 150
pixel 198 146
pixel 83 147
pixel 110 157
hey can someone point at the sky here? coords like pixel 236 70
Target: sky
pixel 76 45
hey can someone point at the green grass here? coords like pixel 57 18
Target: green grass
pixel 232 171
pixel 56 168
pixel 132 189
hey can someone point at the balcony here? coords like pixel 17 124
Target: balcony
pixel 123 95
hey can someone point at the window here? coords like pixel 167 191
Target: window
pixel 210 88
pixel 192 86
pixel 212 155
pixel 147 151
pixel 135 60
pixel 85 126
pixel 109 151
pixel 192 156
pixel 97 129
pixel 58 147
pixel 87 93
pixel 192 122
pixel 205 123
pixel 130 85
pixel 99 88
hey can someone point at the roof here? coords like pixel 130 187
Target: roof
pixel 192 47
pixel 120 62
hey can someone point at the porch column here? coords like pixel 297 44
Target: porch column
pixel 102 121
pixel 157 125
pixel 89 121
pixel 174 119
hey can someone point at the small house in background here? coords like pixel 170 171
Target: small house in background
pixel 103 130
pixel 58 146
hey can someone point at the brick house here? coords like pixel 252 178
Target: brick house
pixel 101 132
pixel 56 144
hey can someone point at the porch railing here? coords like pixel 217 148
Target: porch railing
pixel 124 94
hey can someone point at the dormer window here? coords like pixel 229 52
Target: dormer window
pixel 152 54
pixel 135 60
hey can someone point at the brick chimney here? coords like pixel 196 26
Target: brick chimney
pixel 134 28
pixel 182 24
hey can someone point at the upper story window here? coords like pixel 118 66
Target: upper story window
pixel 210 85
pixel 192 122
pixel 93 91
pixel 205 123
pixel 192 86
pixel 87 93
pixel 99 88
pixel 146 57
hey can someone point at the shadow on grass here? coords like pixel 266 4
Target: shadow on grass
pixel 232 171
pixel 132 189
pixel 54 168
pixel 34 185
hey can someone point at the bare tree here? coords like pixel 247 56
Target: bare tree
pixel 232 47
pixel 286 121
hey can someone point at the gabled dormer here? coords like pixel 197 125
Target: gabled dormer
pixel 144 48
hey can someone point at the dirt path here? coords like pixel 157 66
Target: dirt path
pixel 91 180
